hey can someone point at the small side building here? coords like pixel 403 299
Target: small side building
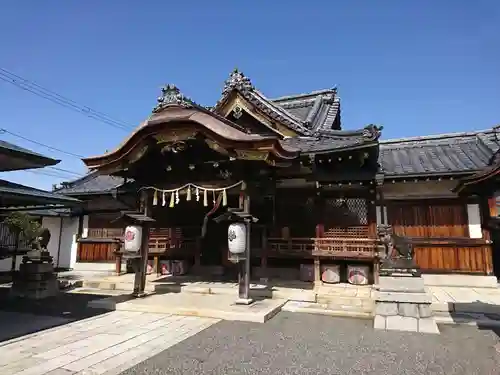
pixel 55 211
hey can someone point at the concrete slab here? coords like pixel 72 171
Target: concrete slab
pixel 201 305
pixel 468 281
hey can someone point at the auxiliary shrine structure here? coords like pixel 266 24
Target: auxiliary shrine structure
pixel 319 192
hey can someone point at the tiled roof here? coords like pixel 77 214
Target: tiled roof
pixel 237 81
pixel 27 193
pixel 319 110
pixel 92 183
pixel 441 154
pixel 18 158
pixel 337 140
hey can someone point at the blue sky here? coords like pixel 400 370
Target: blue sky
pixel 415 67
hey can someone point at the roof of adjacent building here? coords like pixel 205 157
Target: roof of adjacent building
pixel 12 194
pixel 13 157
pixel 440 154
pixel 92 183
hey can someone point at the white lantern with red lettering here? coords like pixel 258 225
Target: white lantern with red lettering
pixel 132 239
pixel 237 238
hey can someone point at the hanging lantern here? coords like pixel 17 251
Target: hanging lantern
pixel 132 239
pixel 237 238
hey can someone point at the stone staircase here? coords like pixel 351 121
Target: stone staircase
pixel 328 299
pixel 337 300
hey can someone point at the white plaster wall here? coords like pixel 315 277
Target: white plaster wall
pixel 474 218
pixel 67 254
pixel 85 227
pixel 53 224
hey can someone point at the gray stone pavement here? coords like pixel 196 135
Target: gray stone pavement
pixel 104 344
pixel 312 344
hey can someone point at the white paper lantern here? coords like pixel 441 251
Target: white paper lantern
pixel 132 239
pixel 237 238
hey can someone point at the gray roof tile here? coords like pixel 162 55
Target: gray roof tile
pixel 92 183
pixel 441 154
pixel 30 194
pixel 336 140
pixel 319 110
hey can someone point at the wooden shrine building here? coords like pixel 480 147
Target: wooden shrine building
pixel 318 191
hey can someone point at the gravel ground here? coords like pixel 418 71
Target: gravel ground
pixel 312 344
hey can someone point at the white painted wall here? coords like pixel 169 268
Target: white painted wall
pixel 64 250
pixel 474 218
pixel 67 254
pixel 85 227
pixel 53 224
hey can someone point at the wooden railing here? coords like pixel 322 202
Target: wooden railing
pixel 346 248
pixel 105 232
pixel 341 248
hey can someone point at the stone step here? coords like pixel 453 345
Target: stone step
pixel 364 312
pixel 342 300
pixel 257 291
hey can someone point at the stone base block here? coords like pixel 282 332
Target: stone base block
pixel 379 322
pixel 401 284
pixel 407 324
pixel 428 325
pixel 243 301
pixel 386 309
pixel 401 323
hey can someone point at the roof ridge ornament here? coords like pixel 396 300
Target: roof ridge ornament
pixel 170 94
pixel 237 80
pixel 372 132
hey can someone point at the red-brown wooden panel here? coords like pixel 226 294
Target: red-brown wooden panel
pixel 96 252
pixel 466 259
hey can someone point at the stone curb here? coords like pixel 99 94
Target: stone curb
pixel 295 307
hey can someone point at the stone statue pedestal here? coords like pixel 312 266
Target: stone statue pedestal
pixel 36 278
pixel 402 304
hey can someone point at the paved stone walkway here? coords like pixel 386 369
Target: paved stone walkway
pixel 106 344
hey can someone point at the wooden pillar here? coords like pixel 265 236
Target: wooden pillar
pixel 244 266
pixel 263 258
pixel 381 219
pixel 197 254
pixel 140 273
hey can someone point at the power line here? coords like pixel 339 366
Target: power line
pixel 3 130
pixel 46 173
pixel 66 171
pixel 61 100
